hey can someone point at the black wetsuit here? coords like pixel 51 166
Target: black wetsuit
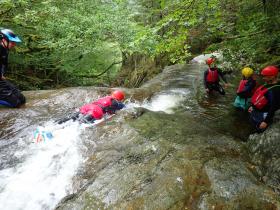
pixel 214 85
pixel 3 60
pixel 10 95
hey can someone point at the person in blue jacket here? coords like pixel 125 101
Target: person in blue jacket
pixel 10 95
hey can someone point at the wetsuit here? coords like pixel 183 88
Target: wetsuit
pixel 88 113
pixel 9 94
pixel 266 113
pixel 212 81
pixel 3 60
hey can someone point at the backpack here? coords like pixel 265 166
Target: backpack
pixel 258 99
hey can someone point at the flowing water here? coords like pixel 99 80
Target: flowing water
pixel 172 147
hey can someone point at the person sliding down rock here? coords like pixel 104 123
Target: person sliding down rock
pixel 95 110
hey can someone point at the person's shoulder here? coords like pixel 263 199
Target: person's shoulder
pixel 275 86
pixel 219 69
pixel 251 80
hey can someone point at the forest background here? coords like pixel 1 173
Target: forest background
pixel 127 42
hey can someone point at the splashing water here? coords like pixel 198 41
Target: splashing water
pixel 166 101
pixel 45 174
pixel 44 177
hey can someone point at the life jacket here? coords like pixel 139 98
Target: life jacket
pixel 104 102
pixel 92 109
pixel 258 99
pixel 212 76
pixel 242 85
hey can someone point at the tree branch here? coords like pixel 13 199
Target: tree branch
pixel 243 36
pixel 98 75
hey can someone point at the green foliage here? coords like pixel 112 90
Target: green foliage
pixel 67 42
pixel 255 38
pixel 60 36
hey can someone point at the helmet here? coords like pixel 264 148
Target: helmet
pixel 118 95
pixel 97 112
pixel 270 71
pixel 247 72
pixel 10 35
pixel 209 61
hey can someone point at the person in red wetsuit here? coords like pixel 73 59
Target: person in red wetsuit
pixel 266 99
pixel 212 78
pixel 95 110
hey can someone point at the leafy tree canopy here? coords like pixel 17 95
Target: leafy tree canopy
pixel 83 42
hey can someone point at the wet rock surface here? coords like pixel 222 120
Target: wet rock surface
pixel 147 164
pixel 186 157
pixel 265 154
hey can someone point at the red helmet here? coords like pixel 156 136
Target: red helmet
pixel 270 71
pixel 209 61
pixel 97 112
pixel 118 95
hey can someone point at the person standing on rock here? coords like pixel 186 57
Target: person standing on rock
pixel 266 99
pixel 212 77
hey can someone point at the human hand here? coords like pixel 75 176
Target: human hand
pixel 250 109
pixel 207 90
pixel 263 125
pixel 226 85
pixel 2 77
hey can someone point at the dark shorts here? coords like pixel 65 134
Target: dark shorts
pixel 216 87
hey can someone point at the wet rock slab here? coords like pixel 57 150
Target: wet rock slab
pixel 146 163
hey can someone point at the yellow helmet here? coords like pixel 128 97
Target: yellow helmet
pixel 247 72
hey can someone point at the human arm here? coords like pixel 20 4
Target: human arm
pixel 204 78
pixel 273 98
pixel 222 76
pixel 116 105
pixel 3 62
pixel 271 106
